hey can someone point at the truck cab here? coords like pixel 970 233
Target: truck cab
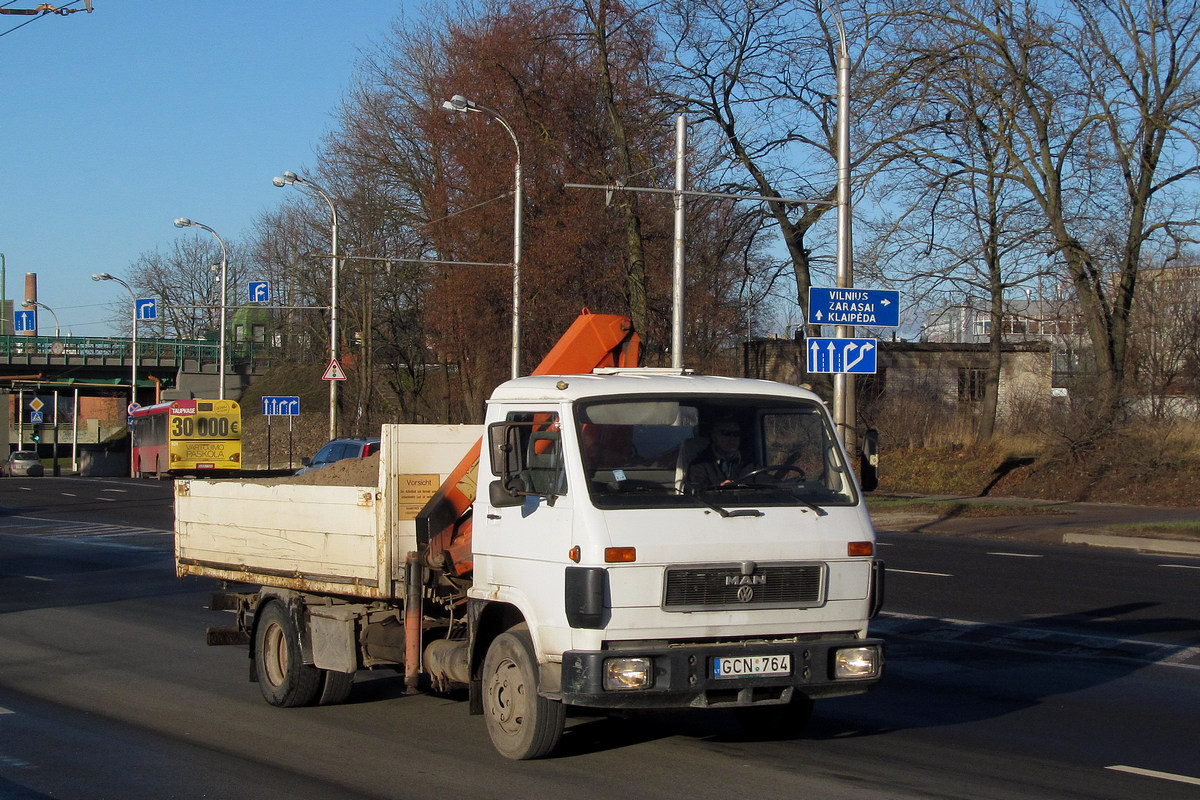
pixel 663 539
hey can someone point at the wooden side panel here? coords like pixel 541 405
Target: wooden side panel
pixel 348 540
pixel 323 533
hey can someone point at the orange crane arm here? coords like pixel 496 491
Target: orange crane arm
pixel 592 341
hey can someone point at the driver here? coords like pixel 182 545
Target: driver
pixel 721 463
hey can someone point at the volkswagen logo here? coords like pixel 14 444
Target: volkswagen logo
pixel 745 594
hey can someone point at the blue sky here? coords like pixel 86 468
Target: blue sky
pixel 115 123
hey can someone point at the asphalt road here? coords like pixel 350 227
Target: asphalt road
pixel 1015 671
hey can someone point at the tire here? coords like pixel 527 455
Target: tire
pixel 335 687
pixel 785 721
pixel 285 680
pixel 521 723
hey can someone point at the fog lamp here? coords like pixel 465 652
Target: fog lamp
pixel 628 673
pixel 856 662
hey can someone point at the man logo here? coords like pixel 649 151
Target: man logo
pixel 745 584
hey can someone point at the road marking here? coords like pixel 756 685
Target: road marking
pixel 918 572
pixel 1016 555
pixel 4 710
pixel 1150 773
pixel 39 578
pixel 122 491
pixel 1180 566
pixel 69 494
pixel 108 499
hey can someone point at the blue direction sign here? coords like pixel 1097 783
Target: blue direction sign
pixel 24 321
pixel 876 308
pixel 260 291
pixel 35 416
pixel 856 356
pixel 147 308
pixel 280 406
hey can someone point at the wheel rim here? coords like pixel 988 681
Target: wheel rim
pixel 508 694
pixel 275 657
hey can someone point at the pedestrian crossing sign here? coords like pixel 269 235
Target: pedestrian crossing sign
pixel 334 372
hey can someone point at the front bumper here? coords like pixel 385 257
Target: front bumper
pixel 683 675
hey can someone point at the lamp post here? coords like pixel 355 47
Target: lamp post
pixel 844 411
pixel 104 276
pixel 289 179
pixel 460 103
pixel 184 222
pixel 36 304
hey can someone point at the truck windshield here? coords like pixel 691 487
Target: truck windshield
pixel 706 451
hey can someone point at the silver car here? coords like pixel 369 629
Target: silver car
pixel 24 462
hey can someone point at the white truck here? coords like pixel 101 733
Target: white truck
pixel 591 569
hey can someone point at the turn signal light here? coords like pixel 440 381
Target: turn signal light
pixel 860 548
pixel 575 554
pixel 620 555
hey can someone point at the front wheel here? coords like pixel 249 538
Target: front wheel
pixel 283 677
pixel 521 723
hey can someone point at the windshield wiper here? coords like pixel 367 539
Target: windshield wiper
pixel 724 512
pixel 779 487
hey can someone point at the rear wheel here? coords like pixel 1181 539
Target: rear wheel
pixel 335 687
pixel 283 677
pixel 521 723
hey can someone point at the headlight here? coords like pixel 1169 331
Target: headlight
pixel 856 662
pixel 628 673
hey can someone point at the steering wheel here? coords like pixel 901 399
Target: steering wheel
pixel 777 471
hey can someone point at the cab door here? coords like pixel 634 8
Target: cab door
pixel 522 545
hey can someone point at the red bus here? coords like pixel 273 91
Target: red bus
pixel 187 437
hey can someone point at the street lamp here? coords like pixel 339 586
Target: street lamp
pixel 104 276
pixel 36 304
pixel 844 411
pixel 184 222
pixel 291 178
pixel 460 103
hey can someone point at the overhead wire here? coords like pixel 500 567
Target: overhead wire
pixel 31 19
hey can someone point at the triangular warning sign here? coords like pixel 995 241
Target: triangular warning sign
pixel 334 372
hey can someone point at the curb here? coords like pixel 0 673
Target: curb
pixel 1141 544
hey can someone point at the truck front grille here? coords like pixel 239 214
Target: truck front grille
pixel 743 585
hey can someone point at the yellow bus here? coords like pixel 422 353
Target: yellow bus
pixel 187 437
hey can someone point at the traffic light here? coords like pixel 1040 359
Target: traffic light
pixel 37 433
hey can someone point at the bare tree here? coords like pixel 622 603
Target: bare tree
pixel 764 75
pixel 187 281
pixel 1105 106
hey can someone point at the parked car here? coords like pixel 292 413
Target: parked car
pixel 24 462
pixel 337 450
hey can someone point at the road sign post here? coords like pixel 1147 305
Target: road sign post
pixel 280 406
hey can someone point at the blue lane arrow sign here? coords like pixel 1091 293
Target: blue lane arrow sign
pixel 147 308
pixel 876 308
pixel 260 291
pixel 280 406
pixel 24 321
pixel 855 356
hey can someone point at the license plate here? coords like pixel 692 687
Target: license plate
pixel 752 666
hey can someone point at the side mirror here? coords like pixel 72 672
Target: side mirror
pixel 500 496
pixel 306 462
pixel 869 460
